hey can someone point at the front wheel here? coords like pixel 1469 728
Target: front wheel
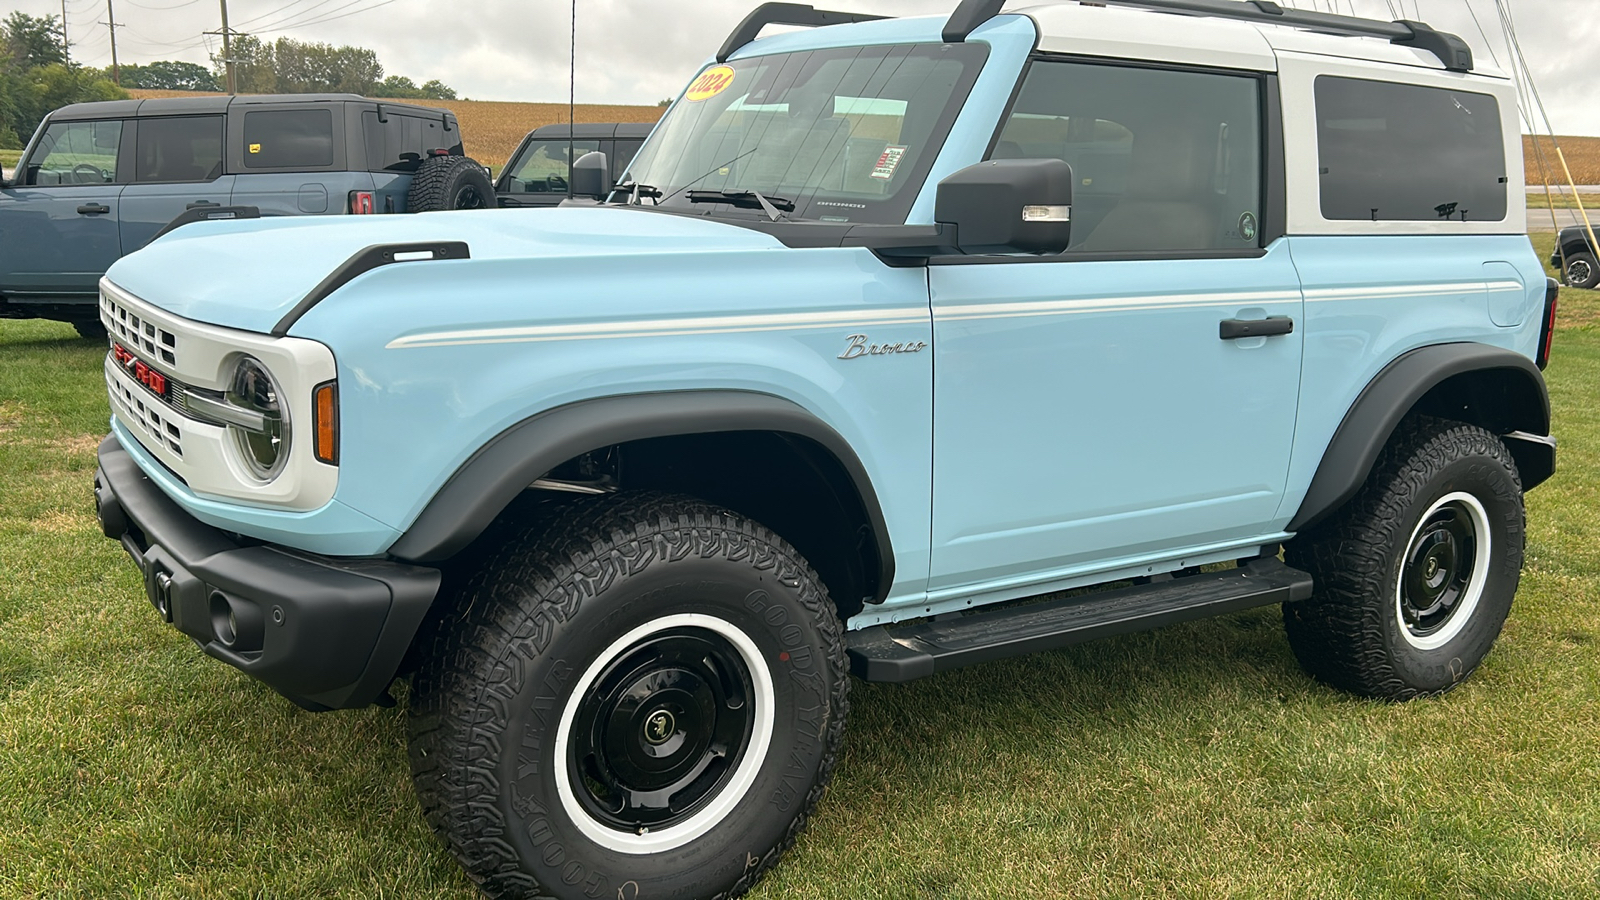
pixel 1415 575
pixel 645 698
pixel 1582 272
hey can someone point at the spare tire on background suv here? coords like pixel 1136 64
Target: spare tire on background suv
pixel 449 182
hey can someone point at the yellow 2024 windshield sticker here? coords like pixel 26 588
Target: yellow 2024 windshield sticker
pixel 711 82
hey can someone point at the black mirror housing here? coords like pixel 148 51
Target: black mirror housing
pixel 1009 206
pixel 591 176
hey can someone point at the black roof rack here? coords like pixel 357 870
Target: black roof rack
pixel 1450 49
pixel 787 14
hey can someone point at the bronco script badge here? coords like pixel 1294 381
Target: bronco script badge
pixel 860 347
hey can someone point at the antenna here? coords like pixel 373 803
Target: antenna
pixel 572 95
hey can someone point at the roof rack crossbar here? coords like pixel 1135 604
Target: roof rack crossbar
pixel 1450 49
pixel 785 14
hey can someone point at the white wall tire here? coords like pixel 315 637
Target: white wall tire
pixel 1382 622
pixel 568 737
pixel 716 809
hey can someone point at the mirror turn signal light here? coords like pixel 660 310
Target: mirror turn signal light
pixel 325 421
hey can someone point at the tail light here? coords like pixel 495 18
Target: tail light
pixel 1547 334
pixel 362 203
pixel 325 421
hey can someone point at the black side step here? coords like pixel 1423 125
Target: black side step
pixel 915 651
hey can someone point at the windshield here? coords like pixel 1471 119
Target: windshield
pixel 845 135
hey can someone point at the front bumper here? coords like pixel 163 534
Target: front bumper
pixel 326 633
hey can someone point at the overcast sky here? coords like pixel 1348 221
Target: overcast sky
pixel 640 51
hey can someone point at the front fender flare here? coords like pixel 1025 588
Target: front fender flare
pixel 1395 391
pixel 488 481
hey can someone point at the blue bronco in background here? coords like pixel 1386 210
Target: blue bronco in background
pixel 100 180
pixel 890 323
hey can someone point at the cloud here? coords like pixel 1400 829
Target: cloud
pixel 640 51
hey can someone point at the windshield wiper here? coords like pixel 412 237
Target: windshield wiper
pixel 771 205
pixel 638 191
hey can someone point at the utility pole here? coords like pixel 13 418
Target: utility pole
pixel 227 49
pixel 66 48
pixel 111 23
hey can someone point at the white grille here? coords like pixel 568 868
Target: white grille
pixel 200 358
pixel 138 408
pixel 138 333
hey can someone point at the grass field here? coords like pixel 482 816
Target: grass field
pixel 1195 761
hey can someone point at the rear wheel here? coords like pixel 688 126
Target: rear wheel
pixel 449 182
pixel 1415 576
pixel 1582 271
pixel 644 698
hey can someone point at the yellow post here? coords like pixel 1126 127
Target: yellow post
pixel 1594 245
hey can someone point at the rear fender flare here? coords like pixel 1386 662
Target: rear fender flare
pixel 1396 390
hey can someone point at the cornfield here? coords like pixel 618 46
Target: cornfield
pixel 1583 158
pixel 490 130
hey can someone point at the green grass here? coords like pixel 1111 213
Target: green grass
pixel 1538 200
pixel 1195 761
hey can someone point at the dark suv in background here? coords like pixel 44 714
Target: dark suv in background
pixel 100 180
pixel 1575 258
pixel 536 174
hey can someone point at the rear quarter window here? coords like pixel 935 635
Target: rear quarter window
pixel 288 138
pixel 1388 152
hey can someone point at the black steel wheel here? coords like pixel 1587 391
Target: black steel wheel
pixel 642 696
pixel 665 726
pixel 1416 574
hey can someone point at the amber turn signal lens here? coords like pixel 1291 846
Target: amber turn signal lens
pixel 325 418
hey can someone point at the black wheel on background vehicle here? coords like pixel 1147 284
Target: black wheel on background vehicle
pixel 1582 271
pixel 93 329
pixel 642 697
pixel 449 182
pixel 1415 575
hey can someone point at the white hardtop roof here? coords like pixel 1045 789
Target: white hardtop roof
pixel 1131 33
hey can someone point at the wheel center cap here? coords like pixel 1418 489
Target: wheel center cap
pixel 659 727
pixel 1432 567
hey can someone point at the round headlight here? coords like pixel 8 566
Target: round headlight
pixel 265 450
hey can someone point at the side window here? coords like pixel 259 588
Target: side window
pixel 1403 152
pixel 542 168
pixel 623 151
pixel 76 153
pixel 1163 160
pixel 288 138
pixel 178 150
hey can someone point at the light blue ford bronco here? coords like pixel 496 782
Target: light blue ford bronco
pixel 891 325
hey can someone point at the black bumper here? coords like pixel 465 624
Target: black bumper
pixel 326 633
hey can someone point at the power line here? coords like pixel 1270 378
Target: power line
pixel 269 14
pixel 329 18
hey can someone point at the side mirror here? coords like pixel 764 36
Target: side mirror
pixel 591 176
pixel 1008 206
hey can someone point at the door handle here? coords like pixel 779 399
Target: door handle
pixel 93 209
pixel 1231 329
pixel 199 203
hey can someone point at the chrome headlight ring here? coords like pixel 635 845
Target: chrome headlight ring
pixel 262 443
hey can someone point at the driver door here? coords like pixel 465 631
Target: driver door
pixel 59 223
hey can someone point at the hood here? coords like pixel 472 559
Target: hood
pixel 248 273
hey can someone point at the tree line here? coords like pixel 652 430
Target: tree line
pixel 36 75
